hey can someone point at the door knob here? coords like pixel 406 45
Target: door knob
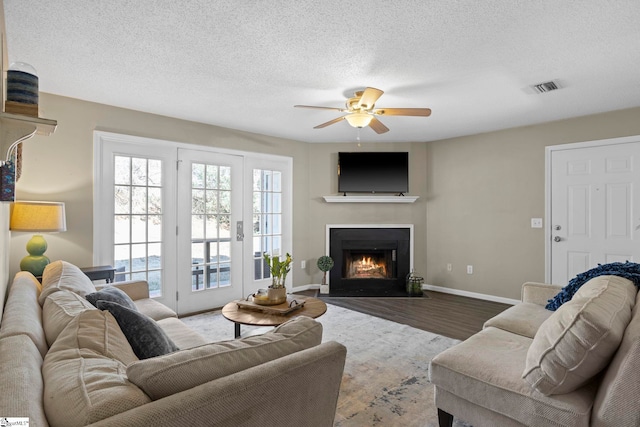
pixel 557 239
pixel 556 227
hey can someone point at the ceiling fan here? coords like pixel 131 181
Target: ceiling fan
pixel 361 112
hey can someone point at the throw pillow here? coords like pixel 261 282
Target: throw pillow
pixel 579 339
pixel 112 294
pixel 173 373
pixel 146 338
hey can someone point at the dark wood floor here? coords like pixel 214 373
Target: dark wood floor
pixel 444 314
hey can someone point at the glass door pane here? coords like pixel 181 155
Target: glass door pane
pixel 138 221
pixel 267 219
pixel 210 226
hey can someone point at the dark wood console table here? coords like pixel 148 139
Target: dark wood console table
pixel 100 272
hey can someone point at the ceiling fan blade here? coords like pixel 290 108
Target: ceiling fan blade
pixel 369 97
pixel 377 126
pixel 330 122
pixel 321 108
pixel 424 112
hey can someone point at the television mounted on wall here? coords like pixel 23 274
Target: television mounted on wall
pixel 373 172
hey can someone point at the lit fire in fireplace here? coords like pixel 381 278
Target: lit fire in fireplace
pixel 367 267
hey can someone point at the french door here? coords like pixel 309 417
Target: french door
pixel 210 236
pixel 134 215
pixel 594 206
pixel 192 221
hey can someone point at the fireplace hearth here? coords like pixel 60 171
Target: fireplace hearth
pixel 369 261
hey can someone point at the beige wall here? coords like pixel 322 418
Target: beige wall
pixel 477 193
pixel 483 191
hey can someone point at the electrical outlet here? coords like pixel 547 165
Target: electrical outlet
pixel 469 269
pixel 449 267
pixel 303 264
pixel 536 222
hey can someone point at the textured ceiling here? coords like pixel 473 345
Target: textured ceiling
pixel 244 64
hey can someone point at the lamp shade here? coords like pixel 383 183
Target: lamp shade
pixel 359 120
pixel 38 216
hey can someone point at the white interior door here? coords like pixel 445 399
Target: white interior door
pixel 594 207
pixel 210 200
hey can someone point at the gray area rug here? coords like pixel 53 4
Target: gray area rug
pixel 386 376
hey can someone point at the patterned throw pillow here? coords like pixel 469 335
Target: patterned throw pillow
pixel 112 294
pixel 145 336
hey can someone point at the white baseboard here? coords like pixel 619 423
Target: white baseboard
pixel 305 288
pixel 471 294
pixel 438 289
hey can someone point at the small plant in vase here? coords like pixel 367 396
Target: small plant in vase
pixel 325 263
pixel 279 268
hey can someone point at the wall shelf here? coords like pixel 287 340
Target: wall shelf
pixel 42 126
pixel 370 199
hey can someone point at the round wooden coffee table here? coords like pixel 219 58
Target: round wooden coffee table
pixel 313 307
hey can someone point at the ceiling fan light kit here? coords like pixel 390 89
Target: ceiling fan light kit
pixel 359 120
pixel 360 111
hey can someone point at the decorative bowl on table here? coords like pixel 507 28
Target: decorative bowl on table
pixel 270 296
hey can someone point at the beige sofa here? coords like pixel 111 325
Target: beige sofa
pixel 63 362
pixel 577 366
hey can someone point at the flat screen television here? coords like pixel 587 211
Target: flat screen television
pixel 373 172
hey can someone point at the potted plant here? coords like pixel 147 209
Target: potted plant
pixel 279 268
pixel 325 263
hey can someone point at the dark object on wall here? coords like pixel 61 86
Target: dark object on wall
pixel 8 182
pixel 373 172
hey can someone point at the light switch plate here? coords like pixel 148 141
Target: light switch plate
pixel 536 222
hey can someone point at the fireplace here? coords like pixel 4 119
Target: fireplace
pixel 369 260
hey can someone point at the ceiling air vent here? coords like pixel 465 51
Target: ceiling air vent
pixel 545 87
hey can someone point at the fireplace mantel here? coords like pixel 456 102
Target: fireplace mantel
pixel 370 199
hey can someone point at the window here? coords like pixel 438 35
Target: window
pixel 267 218
pixel 137 220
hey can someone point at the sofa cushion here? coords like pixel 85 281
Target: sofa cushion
pixel 579 339
pixel 154 309
pixel 59 309
pixel 113 294
pixel 97 331
pixel 616 403
pixel 85 372
pixel 22 388
pixel 146 338
pixel 166 375
pixel 486 370
pixel 63 275
pixel 181 335
pixel 522 319
pixel 86 388
pixel 22 313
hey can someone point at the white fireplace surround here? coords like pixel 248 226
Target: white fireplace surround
pixel 334 226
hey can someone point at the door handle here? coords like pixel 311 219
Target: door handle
pixel 557 239
pixel 239 231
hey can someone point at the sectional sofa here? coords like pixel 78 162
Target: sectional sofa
pixel 65 362
pixel 576 366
